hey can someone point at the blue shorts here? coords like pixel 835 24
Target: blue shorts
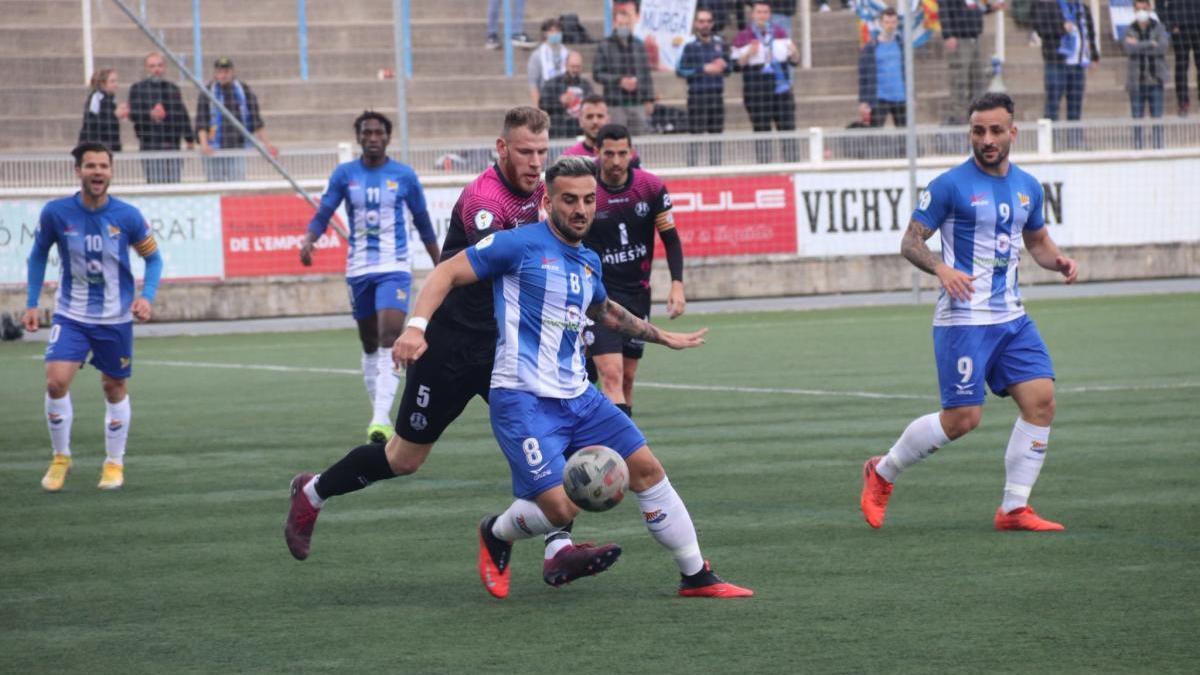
pixel 537 434
pixel 111 345
pixel 1003 354
pixel 371 293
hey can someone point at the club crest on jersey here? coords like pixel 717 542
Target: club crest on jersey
pixel 417 421
pixel 125 361
pixel 979 200
pixel 1023 199
pixel 483 220
pixel 113 230
pixel 1002 243
pixel 485 242
pixel 641 209
pixel 392 185
pixel 926 198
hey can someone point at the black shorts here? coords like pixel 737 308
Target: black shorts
pixel 601 340
pixel 457 366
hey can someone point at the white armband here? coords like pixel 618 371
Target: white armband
pixel 418 322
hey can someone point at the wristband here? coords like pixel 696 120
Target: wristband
pixel 418 322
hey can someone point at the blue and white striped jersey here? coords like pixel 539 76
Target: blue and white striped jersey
pixel 542 288
pixel 93 247
pixel 981 219
pixel 375 201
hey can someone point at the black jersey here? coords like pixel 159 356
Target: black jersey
pixel 623 232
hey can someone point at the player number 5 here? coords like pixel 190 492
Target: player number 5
pixel 533 451
pixel 423 396
pixel 965 367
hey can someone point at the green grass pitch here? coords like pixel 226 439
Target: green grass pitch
pixel 185 569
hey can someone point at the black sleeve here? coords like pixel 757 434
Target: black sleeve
pixel 256 122
pixel 202 114
pixel 674 249
pixel 1091 29
pixel 178 114
pixel 139 107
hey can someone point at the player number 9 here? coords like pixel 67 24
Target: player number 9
pixel 532 450
pixel 1005 212
pixel 965 367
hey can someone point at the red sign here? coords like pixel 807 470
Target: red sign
pixel 744 215
pixel 263 235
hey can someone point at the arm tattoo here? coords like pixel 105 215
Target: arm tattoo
pixel 914 249
pixel 617 318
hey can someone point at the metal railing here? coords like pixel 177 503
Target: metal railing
pixel 34 171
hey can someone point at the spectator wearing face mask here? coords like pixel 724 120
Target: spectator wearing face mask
pixel 624 71
pixel 549 60
pixel 1146 42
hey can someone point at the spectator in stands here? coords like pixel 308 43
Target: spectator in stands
pixel 160 120
pixel 519 38
pixel 1146 42
pixel 962 24
pixel 102 114
pixel 624 71
pixel 765 55
pixel 562 98
pixel 881 73
pixel 1068 36
pixel 548 61
pixel 705 63
pixel 216 133
pixel 1183 20
pixel 725 12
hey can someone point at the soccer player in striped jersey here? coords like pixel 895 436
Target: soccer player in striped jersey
pixel 462 337
pixel 983 209
pixel 94 308
pixel 631 206
pixel 542 407
pixel 376 190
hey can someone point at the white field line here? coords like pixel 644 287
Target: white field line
pixel 682 387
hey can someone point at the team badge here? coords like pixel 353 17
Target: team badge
pixel 1002 243
pixel 485 242
pixel 483 220
pixel 926 199
pixel 641 209
pixel 417 421
pixel 400 294
pixel 125 360
pixel 113 230
pixel 392 185
pixel 666 201
pixel 372 217
pixel 1023 199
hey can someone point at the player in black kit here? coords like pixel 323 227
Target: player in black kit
pixel 631 205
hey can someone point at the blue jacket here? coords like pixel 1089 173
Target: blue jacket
pixel 868 76
pixel 697 54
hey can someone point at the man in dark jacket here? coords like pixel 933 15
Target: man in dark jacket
pixel 1068 36
pixel 962 24
pixel 705 64
pixel 1182 18
pixel 216 133
pixel 623 70
pixel 562 98
pixel 160 120
pixel 1146 42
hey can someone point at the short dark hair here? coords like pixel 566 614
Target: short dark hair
pixel 89 146
pixel 612 132
pixel 569 166
pixel 991 101
pixel 550 24
pixel 531 118
pixel 593 99
pixel 372 115
pixel 888 11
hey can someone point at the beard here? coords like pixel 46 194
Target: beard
pixel 1001 155
pixel 565 230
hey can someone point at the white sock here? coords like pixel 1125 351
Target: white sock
pixel 921 439
pixel 386 383
pixel 310 491
pixel 59 415
pixel 1023 462
pixel 669 523
pixel 369 374
pixel 554 546
pixel 116 429
pixel 522 520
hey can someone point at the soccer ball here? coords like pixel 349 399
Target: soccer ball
pixel 595 478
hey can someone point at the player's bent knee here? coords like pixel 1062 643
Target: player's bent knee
pixel 958 422
pixel 405 457
pixel 645 471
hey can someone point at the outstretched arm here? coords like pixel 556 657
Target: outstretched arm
pixel 615 317
pixel 914 249
pixel 411 344
pixel 1047 254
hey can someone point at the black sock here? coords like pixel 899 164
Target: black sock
pixel 358 469
pixel 627 409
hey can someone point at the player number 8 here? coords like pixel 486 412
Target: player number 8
pixel 533 451
pixel 965 367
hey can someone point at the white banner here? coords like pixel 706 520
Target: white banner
pixel 665 26
pixel 1086 204
pixel 440 203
